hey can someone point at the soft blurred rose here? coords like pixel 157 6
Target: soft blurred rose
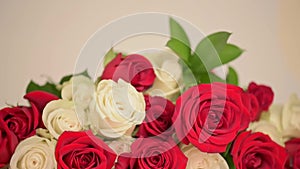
pixel 202 160
pixel 121 145
pixel 44 133
pixel 290 118
pixel 79 89
pixel 60 116
pixel 117 109
pixel 268 128
pixel 285 118
pixel 168 74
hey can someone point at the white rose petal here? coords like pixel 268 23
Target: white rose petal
pixel 121 145
pixel 275 116
pixel 267 128
pixel 79 89
pixel 290 118
pixel 118 107
pixel 201 160
pixel 168 74
pixel 44 133
pixel 59 116
pixel 34 153
pixel 285 118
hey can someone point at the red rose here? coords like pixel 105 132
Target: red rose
pixel 263 94
pixel 24 120
pixel 252 105
pixel 293 149
pixel 210 115
pixel 257 150
pixel 21 120
pixel 38 100
pixel 8 143
pixel 134 69
pixel 83 150
pixel 148 153
pixel 158 120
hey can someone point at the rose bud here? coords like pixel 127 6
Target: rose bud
pixel 263 94
pixel 134 69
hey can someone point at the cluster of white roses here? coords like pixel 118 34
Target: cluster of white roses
pixel 281 122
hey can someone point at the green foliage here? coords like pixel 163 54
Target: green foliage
pixel 177 32
pixel 211 52
pixel 181 49
pixel 48 87
pixel 232 76
pixel 68 77
pixel 51 87
pixel 110 55
pixel 227 156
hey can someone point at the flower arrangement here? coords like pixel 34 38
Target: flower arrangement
pixel 168 110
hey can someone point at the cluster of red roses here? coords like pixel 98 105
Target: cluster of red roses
pixel 209 116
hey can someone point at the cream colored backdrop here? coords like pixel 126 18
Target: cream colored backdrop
pixel 45 37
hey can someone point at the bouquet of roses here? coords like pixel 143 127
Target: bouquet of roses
pixel 167 109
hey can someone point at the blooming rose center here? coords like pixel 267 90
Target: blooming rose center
pixel 253 160
pixel 156 161
pixel 85 160
pixel 14 125
pixel 213 120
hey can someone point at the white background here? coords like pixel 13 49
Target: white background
pixel 44 38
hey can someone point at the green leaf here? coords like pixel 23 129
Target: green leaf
pixel 207 54
pixel 65 79
pixel 229 53
pixel 48 87
pixel 188 77
pixel 209 48
pixel 135 131
pixel 209 78
pixel 181 49
pixel 177 32
pixel 110 55
pixel 214 50
pixel 68 77
pixel 211 52
pixel 230 162
pixel 227 156
pixel 219 40
pixel 197 65
pixel 228 148
pixel 232 76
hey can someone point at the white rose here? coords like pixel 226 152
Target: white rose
pixel 79 89
pixel 274 116
pixel 290 118
pixel 117 109
pixel 285 118
pixel 168 74
pixel 269 129
pixel 121 145
pixel 44 133
pixel 59 116
pixel 201 160
pixel 34 153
